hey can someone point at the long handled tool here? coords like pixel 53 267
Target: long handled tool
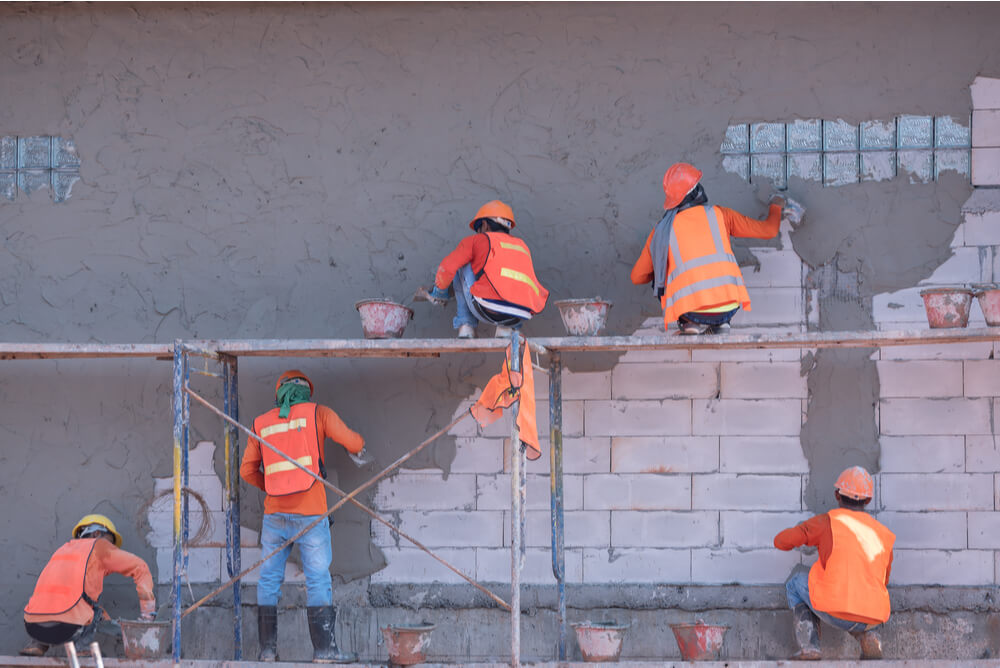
pixel 345 498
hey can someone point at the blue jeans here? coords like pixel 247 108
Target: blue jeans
pixel 715 319
pixel 315 549
pixel 797 591
pixel 467 312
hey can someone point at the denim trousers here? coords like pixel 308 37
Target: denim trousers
pixel 315 549
pixel 797 591
pixel 465 304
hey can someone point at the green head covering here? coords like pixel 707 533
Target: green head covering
pixel 289 394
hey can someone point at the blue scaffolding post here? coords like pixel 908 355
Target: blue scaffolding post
pixel 556 490
pixel 181 404
pixel 231 406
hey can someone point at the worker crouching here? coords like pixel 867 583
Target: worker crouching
pixel 298 427
pixel 846 587
pixel 64 605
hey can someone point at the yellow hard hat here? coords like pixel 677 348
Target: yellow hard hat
pixel 87 520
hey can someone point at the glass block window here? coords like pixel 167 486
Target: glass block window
pixel 28 164
pixel 838 153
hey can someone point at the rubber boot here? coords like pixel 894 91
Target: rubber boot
pixel 34 648
pixel 806 626
pixel 267 632
pixel 322 624
pixel 871 644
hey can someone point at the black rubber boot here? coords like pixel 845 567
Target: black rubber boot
pixel 267 632
pixel 871 644
pixel 806 626
pixel 322 626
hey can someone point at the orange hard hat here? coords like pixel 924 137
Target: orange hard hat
pixel 855 483
pixel 290 375
pixel 679 180
pixel 493 209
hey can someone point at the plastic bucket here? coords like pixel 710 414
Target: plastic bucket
pixel 699 642
pixel 407 643
pixel 947 306
pixel 382 318
pixel 600 641
pixel 989 301
pixel 146 640
pixel 584 317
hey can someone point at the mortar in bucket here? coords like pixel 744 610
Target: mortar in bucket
pixel 383 318
pixel 407 643
pixel 988 295
pixel 700 641
pixel 600 641
pixel 947 306
pixel 584 317
pixel 145 640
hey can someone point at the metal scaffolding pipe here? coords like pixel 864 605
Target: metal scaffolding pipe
pixel 517 500
pixel 231 406
pixel 179 363
pixel 556 491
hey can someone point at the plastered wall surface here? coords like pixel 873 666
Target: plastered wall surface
pixel 252 171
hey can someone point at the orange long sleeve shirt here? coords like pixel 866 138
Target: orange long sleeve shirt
pixel 817 533
pixel 313 500
pixel 106 558
pixel 473 250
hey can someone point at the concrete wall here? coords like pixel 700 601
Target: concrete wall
pixel 252 171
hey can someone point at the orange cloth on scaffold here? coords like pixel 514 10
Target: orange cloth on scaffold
pixel 502 391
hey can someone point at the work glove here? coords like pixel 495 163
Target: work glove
pixel 436 297
pixel 361 459
pixel 147 610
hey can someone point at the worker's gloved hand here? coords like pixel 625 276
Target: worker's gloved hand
pixel 777 200
pixel 147 610
pixel 435 296
pixel 361 459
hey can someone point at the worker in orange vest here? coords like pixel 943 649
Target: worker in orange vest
pixel 492 274
pixel 688 257
pixel 846 587
pixel 63 606
pixel 298 427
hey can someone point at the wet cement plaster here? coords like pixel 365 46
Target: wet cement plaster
pixel 254 170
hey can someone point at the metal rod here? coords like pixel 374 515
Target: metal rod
pixel 556 491
pixel 95 651
pixel 517 499
pixel 70 648
pixel 179 359
pixel 186 475
pixel 233 537
pixel 346 498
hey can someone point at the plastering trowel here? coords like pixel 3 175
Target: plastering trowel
pixel 792 212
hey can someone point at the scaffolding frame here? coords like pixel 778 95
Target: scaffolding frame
pixel 226 352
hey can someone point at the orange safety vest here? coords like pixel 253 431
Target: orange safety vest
pixel 509 270
pixel 297 437
pixel 853 580
pixel 702 270
pixel 62 582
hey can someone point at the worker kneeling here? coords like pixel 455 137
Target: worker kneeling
pixel 64 606
pixel 298 427
pixel 846 587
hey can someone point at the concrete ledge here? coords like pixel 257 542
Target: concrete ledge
pixel 20 662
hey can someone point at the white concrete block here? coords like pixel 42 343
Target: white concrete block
pixel 922 454
pixel 572 420
pixel 636 565
pixel 248 555
pixel 427 491
pixel 664 454
pixel 201 458
pixel 577 385
pixel 643 491
pixel 478 455
pixel 587 454
pixel 747 417
pixel 204 564
pixel 467 427
pixel 723 491
pixel 982 378
pixel 631 528
pixel 480 528
pixel 674 380
pixel 209 488
pixel 493 565
pixel 772 307
pixel 979 350
pixel 936 491
pixel 638 418
pixel 409 564
pixel 903 417
pixel 966 265
pixel 982 453
pixel 930 530
pixel 582 528
pixel 762 454
pixel 493 492
pixel 904 306
pixel 754 380
pixel 986 166
pixel 941 567
pixel 742 566
pixel 985 93
pixel 750 355
pixel 984 530
pixel 778 269
pixel 920 378
pixel 742 530
pixel 982 229
pixel 986 128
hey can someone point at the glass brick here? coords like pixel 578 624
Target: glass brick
pixel 64 154
pixel 840 169
pixel 805 135
pixel 956 159
pixel 918 164
pixel 767 137
pixel 737 164
pixel 771 167
pixel 840 136
pixel 30 180
pixel 878 165
pixel 33 152
pixel 737 139
pixel 808 166
pixel 8 152
pixel 8 185
pixel 949 134
pixel 62 185
pixel 878 135
pixel 915 131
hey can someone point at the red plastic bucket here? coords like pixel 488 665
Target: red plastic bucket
pixel 407 643
pixel 600 641
pixel 699 642
pixel 989 301
pixel 947 306
pixel 382 318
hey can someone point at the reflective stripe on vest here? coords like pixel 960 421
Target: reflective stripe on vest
pixel 680 266
pixel 281 428
pixel 285 465
pixel 61 583
pixel 296 436
pixel 516 275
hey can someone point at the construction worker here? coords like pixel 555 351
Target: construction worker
pixel 688 257
pixel 299 428
pixel 64 605
pixel 846 587
pixel 492 274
